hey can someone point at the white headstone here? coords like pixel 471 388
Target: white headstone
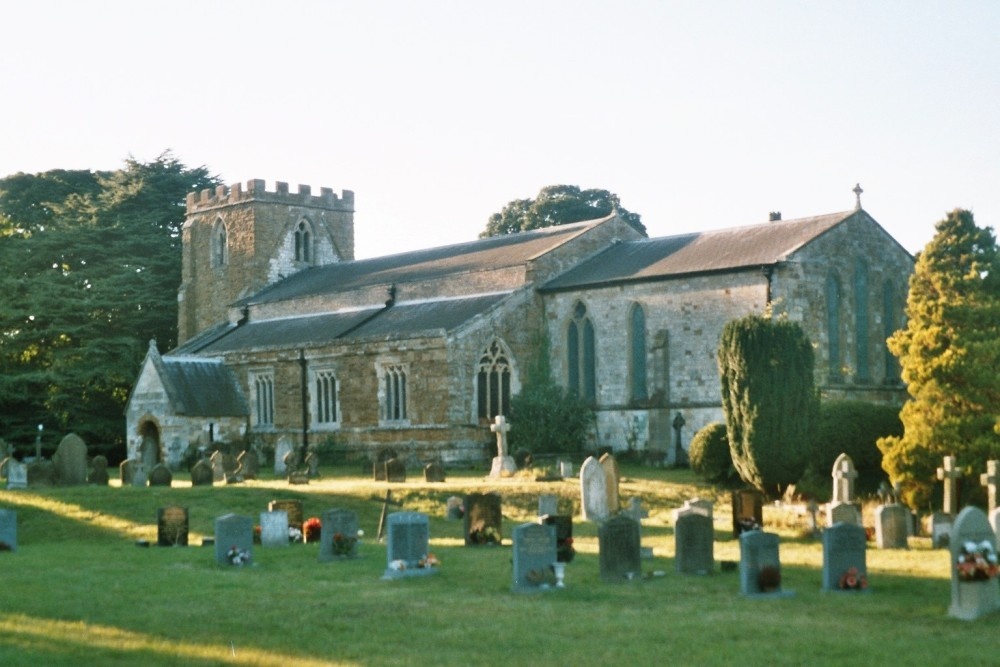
pixel 972 596
pixel 593 491
pixel 281 450
pixel 274 528
pixel 17 475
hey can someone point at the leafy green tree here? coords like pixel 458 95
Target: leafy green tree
pixel 770 402
pixel 949 353
pixel 92 267
pixel 557 205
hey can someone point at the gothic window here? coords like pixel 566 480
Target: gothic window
pixel 394 393
pixel 262 385
pixel 861 337
pixel 220 244
pixel 580 350
pixel 325 398
pixel 835 363
pixel 637 354
pixel 892 370
pixel 303 242
pixel 493 383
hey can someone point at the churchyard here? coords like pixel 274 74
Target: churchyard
pixel 88 584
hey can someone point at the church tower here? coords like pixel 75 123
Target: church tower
pixel 236 241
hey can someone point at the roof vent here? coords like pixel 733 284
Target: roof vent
pixel 774 216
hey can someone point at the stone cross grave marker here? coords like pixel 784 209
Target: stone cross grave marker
pixel 274 528
pixel 620 555
pixel 548 503
pixel 975 598
pixel 70 461
pixel 406 545
pixel 503 462
pixel 201 474
pixel 172 526
pixel 892 526
pixel 339 537
pixel 160 475
pixel 483 519
pixel 8 530
pixel 534 547
pixel 233 534
pixel 612 477
pixel 844 475
pixel 759 558
pixel 694 540
pixel 989 480
pixel 17 475
pixel 593 491
pixel 844 558
pixel 281 450
pixel 291 507
pixel 949 473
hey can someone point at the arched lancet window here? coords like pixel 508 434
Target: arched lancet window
pixel 833 328
pixel 892 370
pixel 493 381
pixel 637 354
pixel 580 350
pixel 861 335
pixel 303 242
pixel 220 244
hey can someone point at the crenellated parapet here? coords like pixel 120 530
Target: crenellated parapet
pixel 257 191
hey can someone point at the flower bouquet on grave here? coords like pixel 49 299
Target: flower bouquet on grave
pixel 852 580
pixel 294 535
pixel 343 545
pixel 977 562
pixel 565 550
pixel 397 565
pixel 311 529
pixel 485 535
pixel 237 556
pixel 256 534
pixel 769 578
pixel 430 560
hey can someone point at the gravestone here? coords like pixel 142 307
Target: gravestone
pixel 697 505
pixel 748 511
pixel 378 466
pixel 971 598
pixel 98 471
pixel 939 528
pixel 280 451
pixel 565 468
pixel 70 461
pixel 843 513
pixel 201 474
pixel 483 519
pixel 454 509
pixel 989 479
pixel 248 464
pixel 160 475
pixel 842 507
pixel 618 541
pixel 694 543
pixel 291 507
pixel 548 503
pixel 139 474
pixel 274 528
pixel 760 565
pixel 126 471
pixel 950 474
pixel 534 547
pixel 892 526
pixel 434 472
pixel 233 540
pixel 563 524
pixel 612 477
pixel 3 466
pixel 292 463
pixel 41 473
pixel 8 530
pixel 17 475
pixel 312 464
pixel 636 511
pixel 503 463
pixel 395 471
pixel 172 526
pixel 408 534
pixel 593 491
pixel 339 538
pixel 845 565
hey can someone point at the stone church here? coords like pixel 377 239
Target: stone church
pixel 283 335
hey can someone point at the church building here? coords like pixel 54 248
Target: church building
pixel 284 336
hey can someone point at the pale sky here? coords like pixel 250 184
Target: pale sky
pixel 699 114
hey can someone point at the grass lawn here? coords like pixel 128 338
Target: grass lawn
pixel 78 590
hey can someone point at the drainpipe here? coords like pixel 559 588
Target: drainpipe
pixel 767 271
pixel 305 405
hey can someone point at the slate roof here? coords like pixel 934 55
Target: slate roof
pixel 201 387
pixel 700 252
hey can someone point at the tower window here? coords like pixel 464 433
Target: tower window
pixel 303 242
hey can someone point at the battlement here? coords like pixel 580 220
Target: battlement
pixel 256 190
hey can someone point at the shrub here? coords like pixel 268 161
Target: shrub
pixel 710 457
pixel 549 420
pixel 853 428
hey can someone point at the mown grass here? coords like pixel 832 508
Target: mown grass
pixel 78 590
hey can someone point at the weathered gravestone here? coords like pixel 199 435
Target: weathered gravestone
pixel 172 526
pixel 563 524
pixel 434 472
pixel 3 466
pixel 748 511
pixel 892 526
pixel 618 542
pixel 274 528
pixel 378 465
pixel 201 474
pixel 408 534
pixel 694 543
pixel 160 475
pixel 339 538
pixel 973 592
pixel 139 474
pixel 593 491
pixel 98 471
pixel 760 565
pixel 395 471
pixel 939 526
pixel 503 463
pixel 281 450
pixel 293 508
pixel 312 465
pixel 697 505
pixel 454 509
pixel 483 519
pixel 41 473
pixel 17 475
pixel 126 471
pixel 233 540
pixel 565 469
pixel 248 464
pixel 534 547
pixel 612 478
pixel 8 530
pixel 845 566
pixel 843 508
pixel 70 461
pixel 548 503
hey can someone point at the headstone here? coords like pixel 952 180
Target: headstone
pixel 636 511
pixel 70 461
pixel 160 475
pixel 483 519
pixel 593 491
pixel 989 479
pixel 395 471
pixel 618 541
pixel 17 475
pixel 98 471
pixel 293 508
pixel 548 503
pixel 565 469
pixel 408 534
pixel 292 462
pixel 974 592
pixel 563 524
pixel 434 472
pixel 892 526
pixel 760 565
pixel 280 451
pixel 503 463
pixel 534 547
pixel 139 474
pixel 248 464
pixel 612 477
pixel 939 528
pixel 845 565
pixel 843 513
pixel 697 505
pixel 172 526
pixel 274 528
pixel 994 519
pixel 842 507
pixel 454 509
pixel 233 540
pixel 41 473
pixel 126 471
pixel 201 474
pixel 8 530
pixel 3 466
pixel 312 464
pixel 949 473
pixel 748 511
pixel 694 542
pixel 339 538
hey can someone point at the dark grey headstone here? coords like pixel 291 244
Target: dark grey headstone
pixel 292 507
pixel 395 471
pixel 233 533
pixel 563 523
pixel 408 535
pixel 339 537
pixel 172 526
pixel 694 538
pixel 758 557
pixel 434 472
pixel 483 519
pixel 98 471
pixel 126 471
pixel 201 474
pixel 218 469
pixel 70 461
pixel 160 475
pixel 534 547
pixel 844 557
pixel 41 473
pixel 248 464
pixel 8 530
pixel 618 540
pixel 892 526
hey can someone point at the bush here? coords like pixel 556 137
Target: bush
pixel 710 457
pixel 549 420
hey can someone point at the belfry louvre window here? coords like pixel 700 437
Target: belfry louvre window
pixel 394 391
pixel 262 383
pixel 493 382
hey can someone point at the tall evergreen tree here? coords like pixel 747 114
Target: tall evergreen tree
pixel 949 353
pixel 558 205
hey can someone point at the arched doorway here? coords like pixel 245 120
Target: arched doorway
pixel 149 448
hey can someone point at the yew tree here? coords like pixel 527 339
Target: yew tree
pixel 558 205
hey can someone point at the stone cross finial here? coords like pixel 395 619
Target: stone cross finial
pixel 844 475
pixel 950 474
pixel 857 193
pixel 500 427
pixel 989 480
